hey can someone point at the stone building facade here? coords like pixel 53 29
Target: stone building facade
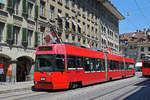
pixel 136 45
pixel 86 22
pixel 17 42
pixel 25 23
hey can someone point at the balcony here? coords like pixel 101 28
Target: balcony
pixel 31 24
pixel 17 20
pixel 59 2
pixel 73 10
pixel 3 16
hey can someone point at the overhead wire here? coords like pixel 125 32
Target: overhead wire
pixel 130 21
pixel 139 9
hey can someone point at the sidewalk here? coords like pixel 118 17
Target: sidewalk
pixel 7 87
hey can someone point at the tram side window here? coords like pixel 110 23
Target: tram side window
pixel 87 64
pixel 109 62
pixel 97 64
pixel 121 65
pixel 60 62
pixel 131 66
pixel 102 64
pixel 92 64
pixel 79 61
pixel 116 65
pixel 71 61
pixel 127 65
pixel 146 64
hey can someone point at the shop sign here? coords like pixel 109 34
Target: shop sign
pixel 1 69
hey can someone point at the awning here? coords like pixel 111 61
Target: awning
pixel 68 21
pixel 59 15
pixel 138 64
pixel 79 25
pixel 74 22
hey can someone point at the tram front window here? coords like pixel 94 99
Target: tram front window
pixel 50 63
pixel 146 64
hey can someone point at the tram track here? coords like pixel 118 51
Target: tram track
pixel 18 95
pixel 114 90
pixel 123 87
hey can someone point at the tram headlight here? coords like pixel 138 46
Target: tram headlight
pixel 43 78
pixel 35 82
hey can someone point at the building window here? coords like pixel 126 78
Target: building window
pixel 73 38
pixel 88 13
pixel 84 41
pixel 16 7
pixel 16 34
pixel 142 56
pixel 78 4
pixel 42 8
pixel 42 30
pixel 60 22
pixel 92 29
pixel 30 6
pixel 79 38
pixel 67 25
pixel 66 3
pixel 88 28
pixel 148 48
pixel 79 29
pixel 1 31
pixel 52 12
pixel 84 26
pixel 60 1
pixel 96 31
pixel 73 27
pixel 30 38
pixel 67 21
pixel 73 3
pixel 142 49
pixel 67 36
pixel 131 47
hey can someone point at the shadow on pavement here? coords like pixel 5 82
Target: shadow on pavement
pixel 143 93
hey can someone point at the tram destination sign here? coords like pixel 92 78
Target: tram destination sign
pixel 45 48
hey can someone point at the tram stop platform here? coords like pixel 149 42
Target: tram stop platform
pixel 7 87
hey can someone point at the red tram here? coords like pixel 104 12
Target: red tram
pixel 146 67
pixel 63 66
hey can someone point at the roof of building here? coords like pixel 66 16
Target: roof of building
pixel 139 36
pixel 112 9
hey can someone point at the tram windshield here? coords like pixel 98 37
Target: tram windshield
pixel 50 63
pixel 146 64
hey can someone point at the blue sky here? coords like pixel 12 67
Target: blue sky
pixel 136 13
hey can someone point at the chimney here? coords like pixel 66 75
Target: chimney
pixel 145 32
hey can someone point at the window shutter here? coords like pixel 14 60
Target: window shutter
pixel 36 39
pixel 10 4
pixel 24 7
pixel 36 12
pixel 9 32
pixel 24 36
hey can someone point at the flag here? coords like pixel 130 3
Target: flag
pixel 108 50
pixel 89 44
pixel 51 38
